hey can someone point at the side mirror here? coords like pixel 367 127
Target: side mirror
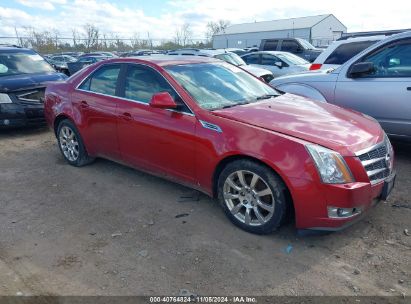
pixel 299 49
pixel 278 64
pixel 163 100
pixel 361 68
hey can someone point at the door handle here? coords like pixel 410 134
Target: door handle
pixel 409 89
pixel 84 104
pixel 126 116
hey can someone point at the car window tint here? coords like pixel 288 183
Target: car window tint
pixel 392 61
pixel 289 46
pixel 344 52
pixel 103 81
pixel 271 45
pixel 251 59
pixel 269 59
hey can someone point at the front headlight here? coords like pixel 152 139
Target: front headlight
pixel 330 165
pixel 4 98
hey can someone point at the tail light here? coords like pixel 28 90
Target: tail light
pixel 315 66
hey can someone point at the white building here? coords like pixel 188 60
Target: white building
pixel 319 30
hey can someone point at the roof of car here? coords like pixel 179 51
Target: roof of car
pixel 6 47
pixel 165 60
pixel 267 52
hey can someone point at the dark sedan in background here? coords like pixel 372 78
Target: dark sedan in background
pixel 24 75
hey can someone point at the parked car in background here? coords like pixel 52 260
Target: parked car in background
pixel 62 58
pixel 376 82
pixel 251 49
pixel 83 61
pixel 211 125
pixel 24 75
pixel 72 54
pixel 59 62
pixel 237 51
pixel 297 46
pixel 279 63
pixel 341 51
pixel 140 53
pixel 102 54
pixel 229 57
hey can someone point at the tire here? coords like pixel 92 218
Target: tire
pixel 257 201
pixel 71 144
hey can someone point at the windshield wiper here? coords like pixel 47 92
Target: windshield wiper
pixel 233 105
pixel 266 96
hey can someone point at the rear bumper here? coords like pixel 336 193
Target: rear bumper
pixel 311 203
pixel 18 115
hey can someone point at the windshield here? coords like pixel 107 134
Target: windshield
pixel 306 44
pixel 218 85
pixel 291 59
pixel 231 58
pixel 22 62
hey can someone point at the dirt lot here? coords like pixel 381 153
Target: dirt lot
pixel 108 229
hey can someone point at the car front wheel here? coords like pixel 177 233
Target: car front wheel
pixel 252 196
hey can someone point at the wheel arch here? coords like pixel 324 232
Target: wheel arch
pixel 59 118
pixel 230 158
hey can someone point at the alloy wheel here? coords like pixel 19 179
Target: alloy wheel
pixel 69 143
pixel 249 198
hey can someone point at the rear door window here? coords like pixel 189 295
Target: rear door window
pixel 270 45
pixel 290 46
pixel 103 81
pixel 346 51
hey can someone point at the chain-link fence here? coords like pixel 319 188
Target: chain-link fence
pixel 45 43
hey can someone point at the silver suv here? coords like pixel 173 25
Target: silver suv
pixel 376 82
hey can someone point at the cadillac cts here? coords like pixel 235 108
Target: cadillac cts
pixel 214 127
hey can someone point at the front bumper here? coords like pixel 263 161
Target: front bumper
pixel 21 115
pixel 311 203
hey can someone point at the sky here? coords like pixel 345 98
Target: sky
pixel 161 18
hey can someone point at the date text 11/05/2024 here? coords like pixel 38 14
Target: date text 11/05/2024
pixel 203 299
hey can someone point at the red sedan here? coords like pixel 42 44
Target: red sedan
pixel 214 127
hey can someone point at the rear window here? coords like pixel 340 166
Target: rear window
pixel 346 51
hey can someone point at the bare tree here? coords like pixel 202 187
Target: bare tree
pixel 20 40
pixel 135 41
pixel 183 35
pixel 92 36
pixel 76 36
pixel 216 27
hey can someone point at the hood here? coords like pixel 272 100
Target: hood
pixel 23 81
pixel 255 70
pixel 327 125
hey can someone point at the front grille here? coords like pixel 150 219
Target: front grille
pixel 33 96
pixel 377 161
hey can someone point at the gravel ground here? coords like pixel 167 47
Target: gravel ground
pixel 106 229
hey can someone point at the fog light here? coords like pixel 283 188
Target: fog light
pixel 336 212
pixel 6 122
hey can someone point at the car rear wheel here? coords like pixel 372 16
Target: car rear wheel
pixel 252 196
pixel 71 144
